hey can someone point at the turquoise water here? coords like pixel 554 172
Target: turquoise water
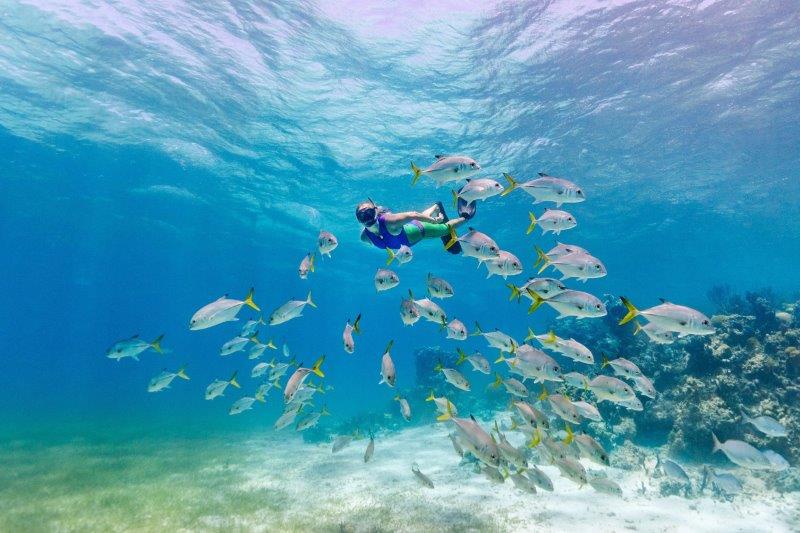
pixel 156 158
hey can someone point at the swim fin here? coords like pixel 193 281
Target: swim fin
pixel 456 247
pixel 466 209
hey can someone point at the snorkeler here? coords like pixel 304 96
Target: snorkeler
pixel 385 229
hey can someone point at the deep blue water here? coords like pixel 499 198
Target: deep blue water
pixel 154 159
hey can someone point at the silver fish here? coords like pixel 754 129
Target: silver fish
pixel 765 424
pixel 221 310
pixel 540 479
pixel 341 442
pixel 259 370
pixel 671 317
pixel 218 386
pixel 439 287
pixel 422 478
pixel 572 470
pixel 548 189
pixel 543 287
pixel 453 377
pixel 347 334
pixel 326 242
pixel 742 454
pixel 645 386
pixel 591 449
pixel 567 347
pixel 164 379
pixel 311 419
pixel 429 310
pixel 578 265
pixel 409 312
pixel 477 441
pixel 505 264
pixel 655 334
pixel 606 486
pixel 777 461
pixel 611 389
pixel 299 376
pixel 234 345
pixel 289 310
pixel 306 265
pixel 447 168
pixel 478 189
pixel 404 254
pixel 588 411
pixel 133 347
pixel 456 330
pixel 497 339
pixel 571 303
pixel 479 362
pixel 388 373
pixel 405 408
pixel 370 451
pixel 513 386
pixel 478 245
pixel 385 279
pixel 622 367
pixel 552 220
pixel 242 404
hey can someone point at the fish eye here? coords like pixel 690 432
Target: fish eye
pixel 579 191
pixel 569 218
pixel 705 322
pixel 119 350
pixel 472 164
pixel 597 306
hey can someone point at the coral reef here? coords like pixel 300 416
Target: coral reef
pixel 751 361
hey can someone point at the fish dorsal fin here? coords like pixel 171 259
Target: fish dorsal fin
pixel 440 156
pixel 664 301
pixel 544 174
pixel 471 228
pixel 223 297
pixel 135 336
pixel 473 418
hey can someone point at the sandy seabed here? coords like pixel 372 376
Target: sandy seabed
pixel 275 482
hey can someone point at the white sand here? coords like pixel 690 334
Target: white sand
pixel 384 494
pixel 276 482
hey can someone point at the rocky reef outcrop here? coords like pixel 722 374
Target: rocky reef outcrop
pixel 752 361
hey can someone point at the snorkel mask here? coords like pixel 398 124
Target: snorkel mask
pixel 368 215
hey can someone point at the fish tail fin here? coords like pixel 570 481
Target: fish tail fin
pixel 271 345
pixel 512 184
pixel 543 396
pixel 181 373
pixel 478 329
pixel 357 324
pixel 498 380
pixel 632 311
pixel 417 173
pixel 249 300
pixel 397 397
pixel 500 359
pixel 605 362
pixel 453 238
pixel 439 367
pixel 254 338
pixel 531 335
pixel 542 259
pixel 389 346
pixel 745 417
pixel 156 344
pixel 390 256
pixel 537 301
pixel 638 328
pixel 309 301
pixel 455 198
pixel 260 398
pixel 551 337
pixel 233 381
pixel 443 324
pixel 311 261
pixel 532 224
pixel 570 435
pixel 430 397
pixel 317 367
pixel 515 293
pixel 324 411
pixel 536 439
pixel 717 443
pixel 514 424
pixel 447 415
pixel 261 320
pixel 461 356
